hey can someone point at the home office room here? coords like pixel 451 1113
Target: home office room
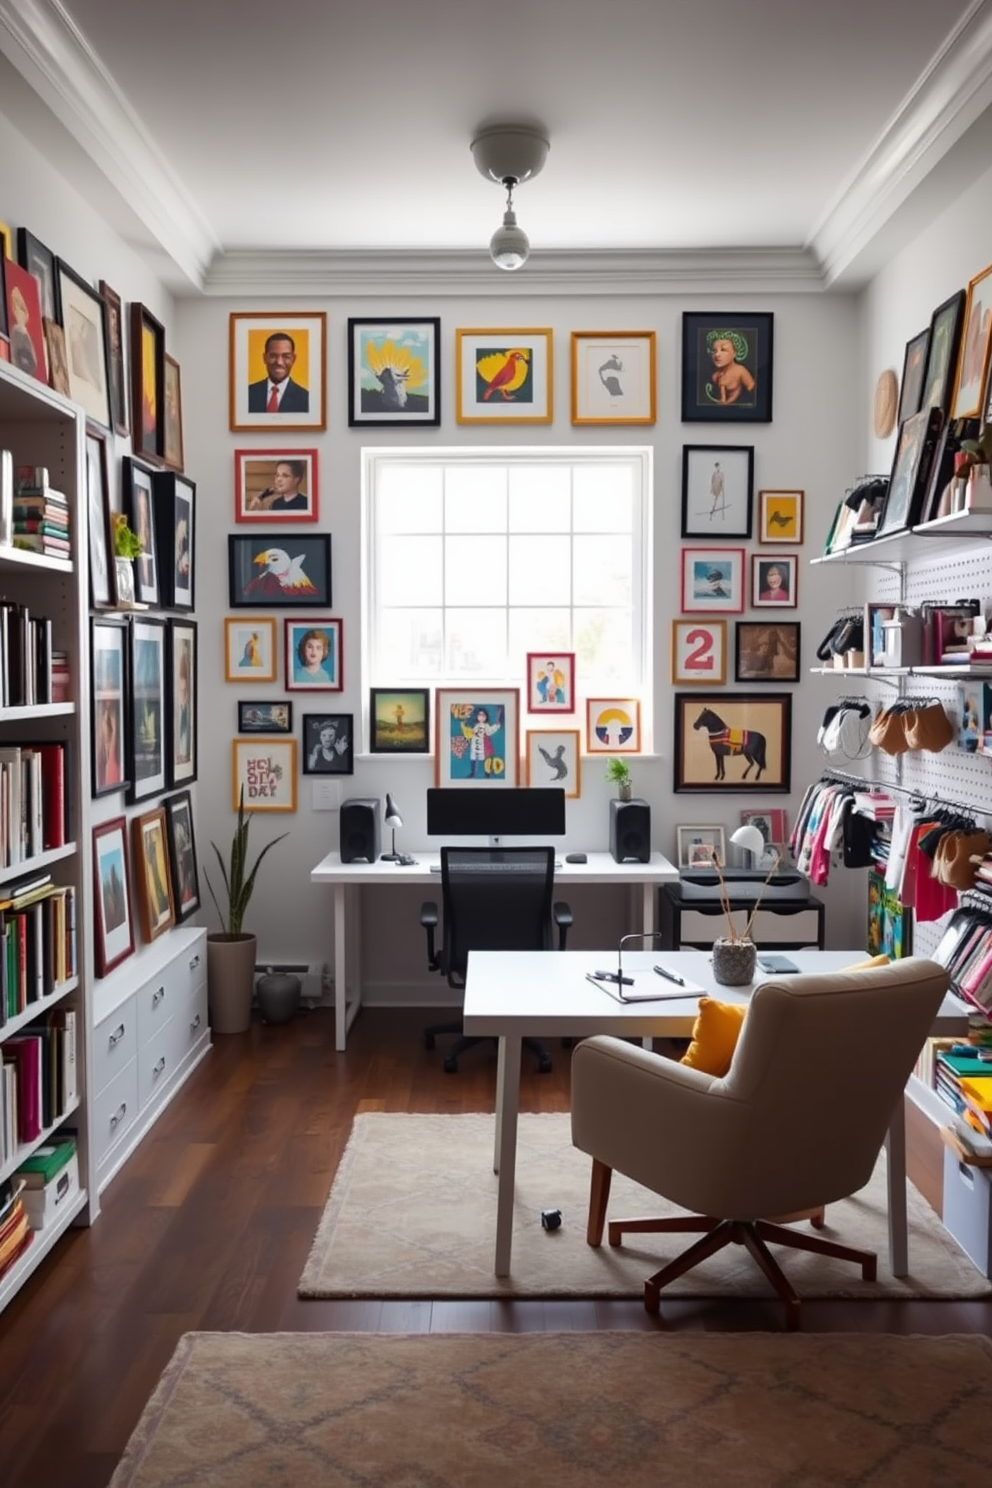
pixel 588 983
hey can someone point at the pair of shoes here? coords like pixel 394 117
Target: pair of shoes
pixel 847 634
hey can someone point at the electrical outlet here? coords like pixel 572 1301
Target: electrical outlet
pixel 326 795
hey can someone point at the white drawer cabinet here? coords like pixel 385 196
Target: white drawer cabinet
pixel 115 1044
pixel 115 1110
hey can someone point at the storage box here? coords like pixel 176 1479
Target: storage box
pixel 968 1208
pixel 44 1204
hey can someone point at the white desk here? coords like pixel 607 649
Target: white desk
pixel 513 994
pixel 347 879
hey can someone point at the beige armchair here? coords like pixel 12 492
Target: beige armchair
pixel 796 1123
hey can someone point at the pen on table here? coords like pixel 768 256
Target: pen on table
pixel 669 976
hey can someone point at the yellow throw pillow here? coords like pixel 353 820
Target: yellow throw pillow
pixel 714 1036
pixel 882 960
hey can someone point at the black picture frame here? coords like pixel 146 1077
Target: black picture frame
pixel 767 651
pixel 278 585
pixel 147 711
pixel 407 343
pixel 147 352
pixel 717 491
pixel 109 704
pixel 910 475
pixel 115 358
pixel 181 725
pixel 139 506
pixel 948 447
pixel 942 353
pixel 182 854
pixel 98 521
pixel 175 537
pixel 740 390
pixel 404 732
pixel 41 262
pixel 258 716
pixel 84 321
pixel 914 364
pixel 328 757
pixel 760 760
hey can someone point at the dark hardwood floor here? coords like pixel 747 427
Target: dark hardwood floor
pixel 207 1227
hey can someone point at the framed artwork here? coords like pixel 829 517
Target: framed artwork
pixel 97 520
pixel 613 726
pixel 172 426
pixel 942 353
pixel 24 317
pixel 766 651
pixel 328 744
pixel 280 573
pixel 727 367
pixel 394 371
pixel 504 377
pixel 58 367
pixel 712 579
pixel 973 361
pixel 265 770
pixel 554 757
pixel 113 941
pixel 182 855
pixel 147 674
pixel 276 370
pixel 699 651
pixel 153 881
pixel 147 384
pixel 182 719
pixel 914 364
pixel 477 733
pixel 250 649
pixel 773 824
pixel 910 476
pixel 399 720
pixel 265 718
pixel 175 530
pixel 775 581
pixel 780 517
pixel 84 321
pixel 733 741
pixel 314 655
pixel 551 681
pixel 697 846
pixel 108 679
pixel 613 377
pixel 890 923
pixel 717 490
pixel 115 358
pixel 40 261
pixel 275 485
pixel 139 504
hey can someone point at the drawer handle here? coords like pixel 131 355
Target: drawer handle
pixel 116 1036
pixel 195 1024
pixel 118 1115
pixel 195 962
pixel 157 997
pixel 158 1068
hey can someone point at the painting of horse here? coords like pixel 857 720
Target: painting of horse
pixel 748 743
pixel 732 741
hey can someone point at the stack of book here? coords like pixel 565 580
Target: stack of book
pixel 15 1232
pixel 60 677
pixel 37 943
pixel 976 1091
pixel 34 800
pixel 26 659
pixel 40 514
pixel 953 1065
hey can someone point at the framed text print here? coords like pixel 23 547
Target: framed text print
pixel 613 726
pixel 733 741
pixel 394 372
pixel 717 483
pixel 780 517
pixel 504 377
pixel 553 757
pixel 477 736
pixel 699 652
pixel 265 770
pixel 727 367
pixel 551 681
pixel 712 579
pixel 275 485
pixel 276 371
pixel 613 377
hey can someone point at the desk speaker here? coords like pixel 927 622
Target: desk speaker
pixel 359 821
pixel 630 831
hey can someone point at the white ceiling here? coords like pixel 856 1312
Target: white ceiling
pixel 774 137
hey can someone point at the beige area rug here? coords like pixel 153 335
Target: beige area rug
pixel 412 1213
pixel 642 1410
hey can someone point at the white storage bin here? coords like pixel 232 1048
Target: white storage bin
pixel 44 1204
pixel 968 1208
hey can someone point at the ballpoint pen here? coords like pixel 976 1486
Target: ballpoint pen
pixel 670 976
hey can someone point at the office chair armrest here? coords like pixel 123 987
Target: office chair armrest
pixel 562 913
pixel 428 918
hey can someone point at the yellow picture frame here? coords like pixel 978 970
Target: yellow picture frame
pixel 250 648
pixel 504 376
pixel 614 377
pixel 699 652
pixel 265 768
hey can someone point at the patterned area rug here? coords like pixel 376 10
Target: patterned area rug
pixel 412 1213
pixel 646 1410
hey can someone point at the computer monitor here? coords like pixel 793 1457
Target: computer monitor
pixel 496 812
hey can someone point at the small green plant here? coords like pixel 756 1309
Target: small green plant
pixel 239 883
pixel 618 772
pixel 127 543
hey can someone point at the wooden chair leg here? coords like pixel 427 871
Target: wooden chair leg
pixel 599 1197
pixel 707 1245
pixel 749 1236
pixel 800 1240
pixel 680 1224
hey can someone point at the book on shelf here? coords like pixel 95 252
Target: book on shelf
pixel 25 1050
pixel 15 1234
pixel 6 496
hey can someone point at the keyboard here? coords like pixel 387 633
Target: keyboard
pixel 489 867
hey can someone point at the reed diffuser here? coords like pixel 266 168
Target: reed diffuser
pixel 735 954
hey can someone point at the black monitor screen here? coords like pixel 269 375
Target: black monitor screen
pixel 506 811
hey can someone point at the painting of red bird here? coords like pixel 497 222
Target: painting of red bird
pixel 503 372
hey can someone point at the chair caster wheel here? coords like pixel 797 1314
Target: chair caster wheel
pixel 544 1067
pixel 428 1041
pixel 450 1065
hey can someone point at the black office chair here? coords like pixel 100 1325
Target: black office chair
pixel 495 899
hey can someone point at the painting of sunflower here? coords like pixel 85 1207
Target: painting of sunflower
pixel 394 372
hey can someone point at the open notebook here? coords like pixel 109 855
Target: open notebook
pixel 649 986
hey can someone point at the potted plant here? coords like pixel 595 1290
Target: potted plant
pixel 618 773
pixel 127 547
pixel 231 951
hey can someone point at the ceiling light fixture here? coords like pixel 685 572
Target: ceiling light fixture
pixel 510 154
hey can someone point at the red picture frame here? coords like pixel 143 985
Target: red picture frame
pixel 261 496
pixel 551 681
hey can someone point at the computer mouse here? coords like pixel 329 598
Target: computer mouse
pixel 576 858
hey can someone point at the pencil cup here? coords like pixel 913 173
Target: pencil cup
pixel 734 962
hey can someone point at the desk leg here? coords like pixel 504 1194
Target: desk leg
pixel 340 966
pixel 505 1158
pixel 895 1151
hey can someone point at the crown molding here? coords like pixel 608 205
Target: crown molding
pixel 951 94
pixel 41 41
